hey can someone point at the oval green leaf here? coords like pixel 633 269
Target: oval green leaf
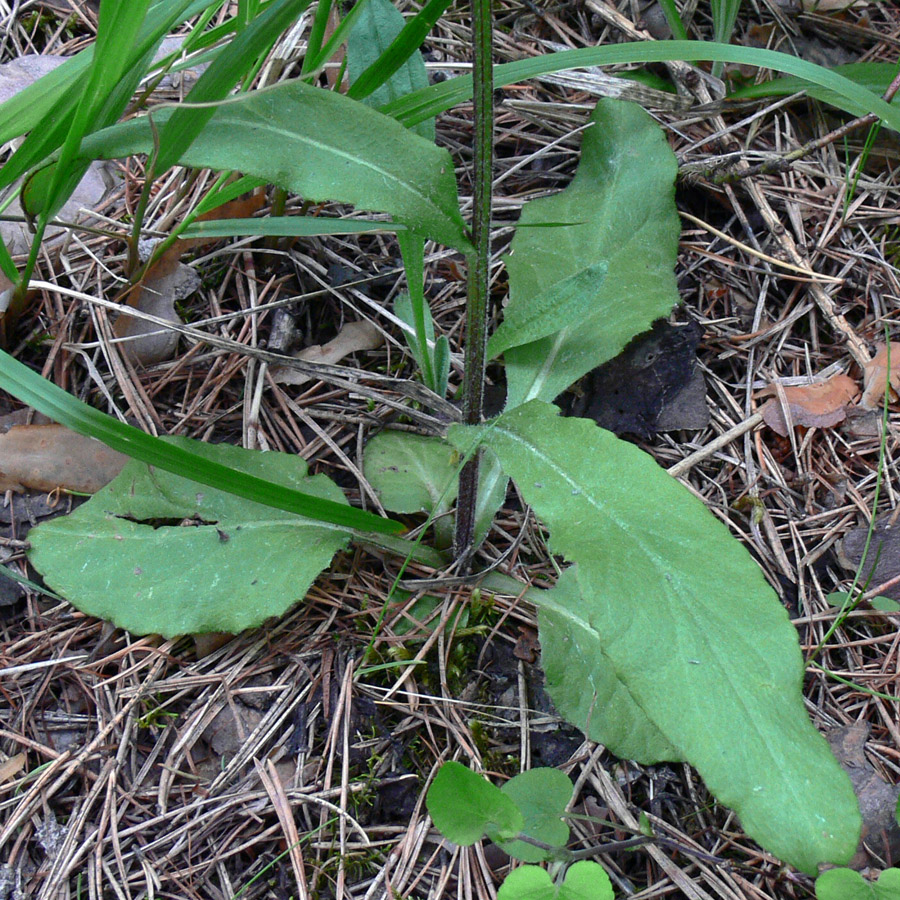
pixel 321 145
pixel 156 553
pixel 585 880
pixel 687 622
pixel 615 265
pixel 542 796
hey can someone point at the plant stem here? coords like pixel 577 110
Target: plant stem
pixel 479 266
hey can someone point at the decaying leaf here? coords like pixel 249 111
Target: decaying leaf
pixel 877 798
pixel 875 376
pixel 654 385
pixel 821 404
pixel 11 767
pixel 166 282
pixel 48 457
pixel 883 557
pixel 352 338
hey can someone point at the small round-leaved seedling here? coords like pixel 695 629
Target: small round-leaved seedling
pixel 584 881
pixel 845 884
pixel 542 796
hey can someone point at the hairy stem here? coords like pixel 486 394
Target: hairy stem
pixel 479 266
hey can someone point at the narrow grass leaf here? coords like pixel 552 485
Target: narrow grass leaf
pixel 316 35
pixel 33 105
pixel 724 15
pixel 679 32
pixel 440 97
pixel 338 36
pixel 217 81
pixel 52 101
pixel 873 76
pixel 322 146
pixel 412 249
pixel 676 603
pixel 284 226
pixel 55 403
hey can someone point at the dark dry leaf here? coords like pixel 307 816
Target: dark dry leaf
pixel 653 385
pixel 877 798
pixel 883 559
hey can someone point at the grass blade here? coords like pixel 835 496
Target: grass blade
pixel 285 226
pixel 31 388
pixel 316 35
pixel 847 95
pixel 215 83
pixel 724 14
pixel 400 50
pixel 679 32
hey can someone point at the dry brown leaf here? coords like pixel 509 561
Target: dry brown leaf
pixel 11 767
pixel 48 457
pixel 821 404
pixel 352 338
pixel 875 376
pixel 166 282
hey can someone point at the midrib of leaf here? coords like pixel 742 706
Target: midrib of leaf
pixel 611 188
pixel 334 149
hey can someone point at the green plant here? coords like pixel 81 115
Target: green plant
pixel 685 660
pixel 526 819
pixel 845 884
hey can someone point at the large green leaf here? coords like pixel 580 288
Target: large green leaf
pixel 320 144
pixel 379 23
pixel 687 622
pixel 156 553
pixel 583 684
pixel 621 204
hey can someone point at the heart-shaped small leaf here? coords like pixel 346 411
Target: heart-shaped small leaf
pixel 542 796
pixel 465 807
pixel 584 881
